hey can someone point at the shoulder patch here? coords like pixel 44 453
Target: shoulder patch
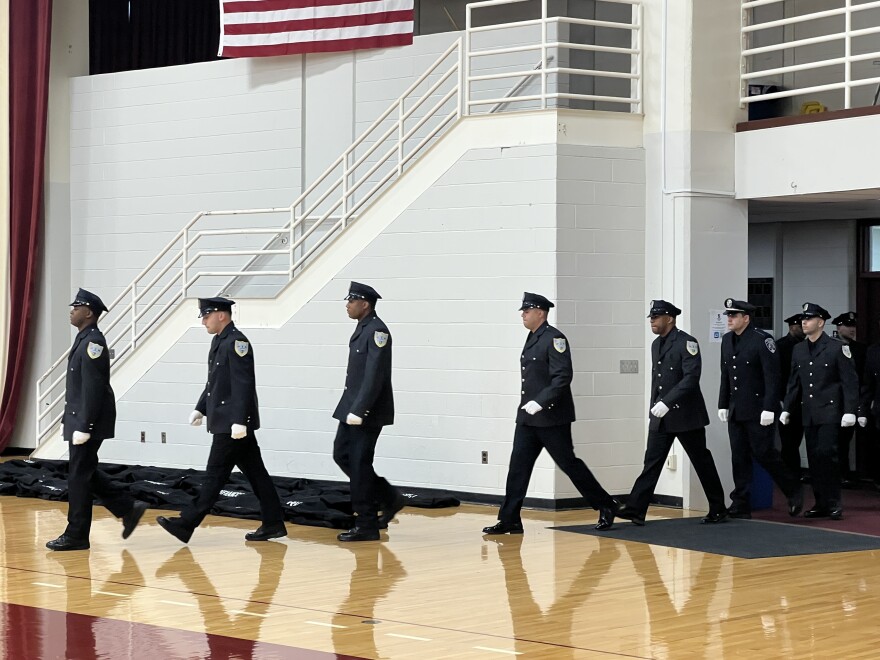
pixel 94 350
pixel 770 344
pixel 381 338
pixel 560 344
pixel 241 348
pixel 693 347
pixel 847 352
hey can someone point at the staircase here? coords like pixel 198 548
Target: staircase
pixel 274 260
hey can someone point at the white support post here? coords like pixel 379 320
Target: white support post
pixel 133 314
pixel 847 68
pixel 183 260
pixel 462 110
pixel 400 134
pixel 291 258
pixel 345 187
pixel 543 54
pixel 466 68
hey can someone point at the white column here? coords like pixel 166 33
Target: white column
pixel 696 232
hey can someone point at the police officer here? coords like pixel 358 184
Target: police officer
pixel 367 405
pixel 846 332
pixel 89 419
pixel 824 383
pixel 677 411
pixel 229 401
pixel 791 434
pixel 748 400
pixel 544 420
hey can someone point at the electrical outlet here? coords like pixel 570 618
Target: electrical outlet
pixel 672 462
pixel 629 366
pixel 163 437
pixel 143 436
pixel 485 457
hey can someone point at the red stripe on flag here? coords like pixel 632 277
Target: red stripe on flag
pixel 280 5
pixel 320 23
pixel 385 41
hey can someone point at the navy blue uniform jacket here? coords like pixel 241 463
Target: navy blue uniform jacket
pixel 675 380
pixel 750 380
pixel 90 405
pixel 367 392
pixel 546 378
pixel 824 383
pixel 230 395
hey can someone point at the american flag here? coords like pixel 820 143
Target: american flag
pixel 264 28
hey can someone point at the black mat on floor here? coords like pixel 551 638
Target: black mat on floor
pixel 305 501
pixel 746 539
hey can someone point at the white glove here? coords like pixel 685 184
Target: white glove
pixel 238 431
pixel 533 407
pixel 848 420
pixel 61 433
pixel 767 417
pixel 353 420
pixel 80 438
pixel 863 421
pixel 195 418
pixel 659 409
pixel 722 415
pixel 784 417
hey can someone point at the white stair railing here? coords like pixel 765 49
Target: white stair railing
pixel 201 260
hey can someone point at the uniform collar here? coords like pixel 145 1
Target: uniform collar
pixel 86 330
pixel 229 328
pixel 369 317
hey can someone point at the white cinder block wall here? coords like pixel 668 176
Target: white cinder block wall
pixel 452 270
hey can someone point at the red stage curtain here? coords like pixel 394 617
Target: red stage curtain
pixel 30 23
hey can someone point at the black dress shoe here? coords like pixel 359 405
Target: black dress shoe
pixel 836 513
pixel 266 532
pixel 176 528
pixel 391 510
pixel 796 503
pixel 817 512
pixel 65 542
pixel 739 514
pixel 131 519
pixel 504 528
pixel 606 519
pixel 715 517
pixel 359 534
pixel 628 514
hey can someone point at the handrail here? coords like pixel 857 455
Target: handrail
pixel 779 74
pixel 440 96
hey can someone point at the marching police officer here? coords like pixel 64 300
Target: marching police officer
pixel 748 400
pixel 544 420
pixel 846 332
pixel 229 401
pixel 824 383
pixel 791 434
pixel 677 411
pixel 366 406
pixel 89 419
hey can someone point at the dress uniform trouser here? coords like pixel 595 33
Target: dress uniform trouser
pixel 85 480
pixel 750 440
pixel 353 451
pixel 528 441
pixel 822 455
pixel 844 439
pixel 226 454
pixel 659 444
pixel 790 437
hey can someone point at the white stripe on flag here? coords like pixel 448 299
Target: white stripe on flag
pixel 332 34
pixel 329 11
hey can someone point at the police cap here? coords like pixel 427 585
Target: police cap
pixel 662 308
pixel 88 299
pixel 208 305
pixel 794 319
pixel 847 318
pixel 738 307
pixel 535 301
pixel 358 291
pixel 811 310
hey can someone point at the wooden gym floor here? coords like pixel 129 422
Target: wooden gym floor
pixel 433 588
